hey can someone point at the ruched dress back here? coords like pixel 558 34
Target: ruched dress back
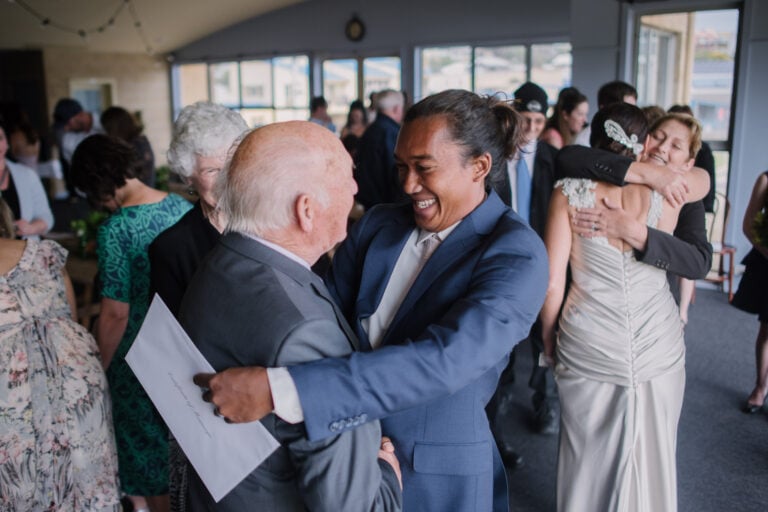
pixel 621 376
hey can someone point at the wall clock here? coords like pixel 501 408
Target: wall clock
pixel 354 29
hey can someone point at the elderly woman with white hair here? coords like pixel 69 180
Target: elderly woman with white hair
pixel 202 137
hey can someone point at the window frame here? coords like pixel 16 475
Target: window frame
pixel 240 105
pixel 418 92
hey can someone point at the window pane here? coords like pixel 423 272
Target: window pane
pixel 339 87
pixel 381 73
pixel 445 68
pixel 722 164
pixel 499 69
pixel 256 83
pixel 658 72
pixel 224 84
pixel 291 81
pixel 291 114
pixel 700 73
pixel 255 117
pixel 713 68
pixel 551 67
pixel 193 83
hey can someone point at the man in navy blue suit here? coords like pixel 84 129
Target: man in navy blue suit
pixel 438 290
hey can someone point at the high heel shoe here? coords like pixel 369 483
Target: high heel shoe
pixel 749 408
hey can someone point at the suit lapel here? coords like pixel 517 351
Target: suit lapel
pixel 306 278
pixel 379 263
pixel 320 289
pixel 464 239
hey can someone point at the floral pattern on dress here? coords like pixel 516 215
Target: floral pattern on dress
pixel 57 448
pixel 141 434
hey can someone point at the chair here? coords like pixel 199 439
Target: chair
pixel 722 254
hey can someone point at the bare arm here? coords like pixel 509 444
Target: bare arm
pixel 557 239
pixel 756 202
pixel 70 295
pixel 30 228
pixel 610 221
pixel 110 328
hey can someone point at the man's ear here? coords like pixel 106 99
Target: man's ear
pixel 303 209
pixel 482 166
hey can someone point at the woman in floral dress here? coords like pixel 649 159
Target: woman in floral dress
pixel 57 447
pixel 107 171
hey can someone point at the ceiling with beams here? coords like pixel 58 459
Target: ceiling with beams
pixel 125 26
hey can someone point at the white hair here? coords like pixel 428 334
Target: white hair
pixel 389 99
pixel 204 129
pixel 259 190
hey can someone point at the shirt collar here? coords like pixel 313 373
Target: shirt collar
pixel 441 235
pixel 282 250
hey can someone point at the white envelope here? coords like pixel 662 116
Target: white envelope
pixel 164 360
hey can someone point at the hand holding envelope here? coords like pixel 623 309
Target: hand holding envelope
pixel 165 360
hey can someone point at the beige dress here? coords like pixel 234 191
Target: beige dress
pixel 621 377
pixel 57 447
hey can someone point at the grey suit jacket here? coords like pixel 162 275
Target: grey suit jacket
pixel 250 305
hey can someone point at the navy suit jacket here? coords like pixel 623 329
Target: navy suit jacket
pixel 375 172
pixel 442 355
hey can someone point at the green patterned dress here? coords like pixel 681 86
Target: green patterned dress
pixel 141 435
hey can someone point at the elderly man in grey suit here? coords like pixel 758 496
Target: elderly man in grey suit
pixel 287 195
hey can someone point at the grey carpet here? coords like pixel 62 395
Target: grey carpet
pixel 722 453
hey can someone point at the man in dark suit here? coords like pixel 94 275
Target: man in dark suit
pixel 256 301
pixel 527 187
pixel 685 253
pixel 442 288
pixel 375 158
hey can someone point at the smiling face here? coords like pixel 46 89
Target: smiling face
pixel 576 120
pixel 443 185
pixel 670 144
pixel 534 125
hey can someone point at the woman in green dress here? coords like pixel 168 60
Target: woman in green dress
pixel 107 171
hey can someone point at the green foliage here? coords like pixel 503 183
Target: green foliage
pixel 760 228
pixel 85 230
pixel 162 177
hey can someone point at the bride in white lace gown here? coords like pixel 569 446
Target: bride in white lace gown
pixel 620 356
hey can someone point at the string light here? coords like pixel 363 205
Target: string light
pixel 83 33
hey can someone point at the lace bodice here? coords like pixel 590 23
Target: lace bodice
pixel 580 194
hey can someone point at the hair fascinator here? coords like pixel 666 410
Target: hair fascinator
pixel 617 133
